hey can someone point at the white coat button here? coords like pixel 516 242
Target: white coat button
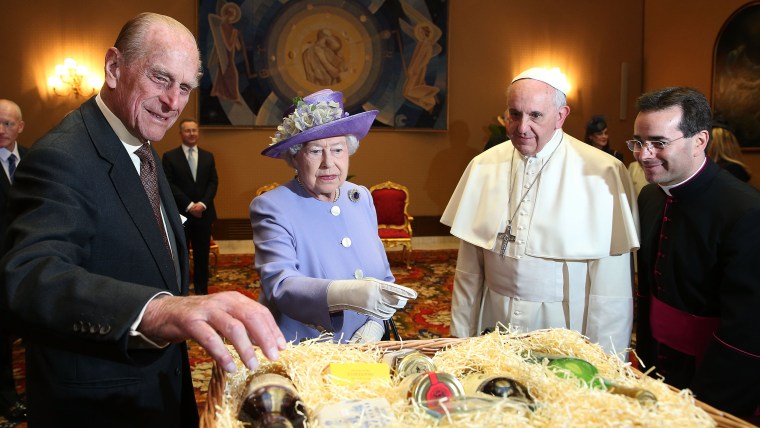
pixel 517 313
pixel 358 274
pixel 346 242
pixel 335 210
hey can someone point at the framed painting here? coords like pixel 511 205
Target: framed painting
pixel 736 75
pixel 385 55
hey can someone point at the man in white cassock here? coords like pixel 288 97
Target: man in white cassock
pixel 547 225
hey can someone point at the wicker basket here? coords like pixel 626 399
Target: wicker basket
pixel 428 347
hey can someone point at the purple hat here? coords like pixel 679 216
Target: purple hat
pixel 316 116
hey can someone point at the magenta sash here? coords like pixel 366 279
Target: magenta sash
pixel 681 330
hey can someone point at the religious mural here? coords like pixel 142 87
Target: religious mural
pixel 386 55
pixel 736 76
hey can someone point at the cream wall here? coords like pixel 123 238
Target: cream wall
pixel 489 42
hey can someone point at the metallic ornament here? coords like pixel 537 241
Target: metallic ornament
pixel 353 195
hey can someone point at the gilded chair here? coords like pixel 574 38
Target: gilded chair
pixel 265 188
pixel 394 222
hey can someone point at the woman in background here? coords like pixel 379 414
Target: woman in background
pixel 725 151
pixel 596 135
pixel 316 244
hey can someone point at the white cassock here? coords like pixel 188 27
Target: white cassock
pixel 574 218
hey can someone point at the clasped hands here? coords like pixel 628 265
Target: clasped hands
pixel 369 296
pixel 196 209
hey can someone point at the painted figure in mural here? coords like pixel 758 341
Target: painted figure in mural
pixel 322 61
pixel 221 62
pixel 426 34
pixel 737 93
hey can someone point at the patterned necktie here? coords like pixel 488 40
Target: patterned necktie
pixel 149 180
pixel 191 159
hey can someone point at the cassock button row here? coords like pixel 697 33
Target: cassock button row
pixel 335 210
pixel 358 274
pixel 346 242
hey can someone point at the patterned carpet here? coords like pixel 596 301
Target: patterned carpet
pixel 431 274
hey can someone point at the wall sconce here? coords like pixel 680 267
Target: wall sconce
pixel 561 78
pixel 71 77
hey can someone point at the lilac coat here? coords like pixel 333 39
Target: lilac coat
pixel 302 244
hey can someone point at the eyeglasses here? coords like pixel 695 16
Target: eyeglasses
pixel 7 123
pixel 655 146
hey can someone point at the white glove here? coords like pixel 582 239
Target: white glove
pixel 368 296
pixel 371 331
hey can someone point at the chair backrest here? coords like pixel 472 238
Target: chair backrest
pixel 265 188
pixel 391 202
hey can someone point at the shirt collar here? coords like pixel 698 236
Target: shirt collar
pixel 116 124
pixel 666 189
pixel 5 153
pixel 548 149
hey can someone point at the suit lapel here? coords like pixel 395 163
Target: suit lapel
pixel 180 161
pixel 5 184
pixel 175 223
pixel 128 186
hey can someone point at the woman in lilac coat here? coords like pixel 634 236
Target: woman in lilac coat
pixel 323 268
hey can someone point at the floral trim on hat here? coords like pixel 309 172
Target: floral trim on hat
pixel 307 116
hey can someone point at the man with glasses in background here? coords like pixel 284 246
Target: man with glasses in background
pixel 699 262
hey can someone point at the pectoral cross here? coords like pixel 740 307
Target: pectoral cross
pixel 506 237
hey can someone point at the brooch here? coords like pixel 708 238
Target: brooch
pixel 353 195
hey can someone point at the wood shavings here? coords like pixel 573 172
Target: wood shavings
pixel 559 402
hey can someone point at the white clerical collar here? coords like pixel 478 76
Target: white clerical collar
pixel 116 125
pixel 666 189
pixel 548 149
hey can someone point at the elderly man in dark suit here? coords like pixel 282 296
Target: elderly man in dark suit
pixel 11 125
pixel 96 277
pixel 191 172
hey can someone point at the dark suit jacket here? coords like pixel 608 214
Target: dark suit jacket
pixel 86 259
pixel 708 265
pixel 5 186
pixel 187 190
pixel 7 385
